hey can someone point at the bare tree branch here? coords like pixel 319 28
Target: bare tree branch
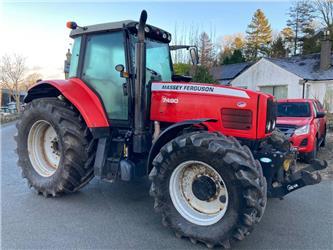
pixel 12 70
pixel 325 9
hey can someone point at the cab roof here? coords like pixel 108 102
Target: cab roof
pixel 101 27
pixel 112 26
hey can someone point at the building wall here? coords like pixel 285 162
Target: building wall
pixel 321 90
pixel 266 73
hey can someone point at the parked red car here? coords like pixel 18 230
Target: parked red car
pixel 304 121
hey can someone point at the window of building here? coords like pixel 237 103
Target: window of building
pixel 280 92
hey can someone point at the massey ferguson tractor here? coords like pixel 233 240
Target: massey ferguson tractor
pixel 210 151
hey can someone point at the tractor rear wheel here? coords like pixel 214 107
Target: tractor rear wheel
pixel 208 188
pixel 55 148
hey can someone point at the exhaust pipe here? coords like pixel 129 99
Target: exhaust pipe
pixel 140 140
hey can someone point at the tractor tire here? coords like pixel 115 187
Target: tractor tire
pixel 55 148
pixel 208 188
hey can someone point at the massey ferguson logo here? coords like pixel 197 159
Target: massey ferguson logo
pixel 241 104
pixel 169 100
pixel 198 89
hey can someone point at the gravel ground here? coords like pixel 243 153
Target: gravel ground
pixel 325 153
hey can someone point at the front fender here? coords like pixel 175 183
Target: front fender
pixel 171 133
pixel 78 93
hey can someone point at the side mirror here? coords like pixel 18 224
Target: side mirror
pixel 120 68
pixel 194 55
pixel 320 114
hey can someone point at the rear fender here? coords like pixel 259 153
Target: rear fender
pixel 171 133
pixel 78 93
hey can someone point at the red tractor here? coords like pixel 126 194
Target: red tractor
pixel 209 150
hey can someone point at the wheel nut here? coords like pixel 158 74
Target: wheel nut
pixel 223 198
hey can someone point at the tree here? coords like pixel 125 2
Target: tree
pixel 229 44
pixel 184 35
pixel 236 57
pixel 311 42
pixel 182 68
pixel 287 35
pixel 239 43
pixel 278 49
pixel 206 48
pixel 12 70
pixel 259 36
pixel 301 15
pixel 325 9
pixel 199 73
pixel 31 79
pixel 202 74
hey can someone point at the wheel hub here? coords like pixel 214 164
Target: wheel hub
pixel 43 148
pixel 204 188
pixel 198 192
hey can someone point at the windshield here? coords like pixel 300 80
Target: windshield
pixel 293 109
pixel 157 57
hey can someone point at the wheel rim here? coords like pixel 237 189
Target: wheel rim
pixel 43 148
pixel 198 193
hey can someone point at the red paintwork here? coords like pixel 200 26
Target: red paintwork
pixel 177 105
pixel 83 98
pixel 317 125
pixel 190 105
pixel 298 121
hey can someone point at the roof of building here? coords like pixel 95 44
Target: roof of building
pixel 306 67
pixel 226 73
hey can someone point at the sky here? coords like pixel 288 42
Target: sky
pixel 37 29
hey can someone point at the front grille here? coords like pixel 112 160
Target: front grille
pixel 288 130
pixel 236 119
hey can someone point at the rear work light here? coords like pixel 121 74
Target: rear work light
pixel 236 119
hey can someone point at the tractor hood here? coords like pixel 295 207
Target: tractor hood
pixel 234 109
pixel 297 121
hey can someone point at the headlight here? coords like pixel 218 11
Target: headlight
pixel 302 130
pixel 268 126
pixel 273 124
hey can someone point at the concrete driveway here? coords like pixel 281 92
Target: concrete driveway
pixel 121 216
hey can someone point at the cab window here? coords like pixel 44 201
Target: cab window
pixel 75 57
pixel 103 53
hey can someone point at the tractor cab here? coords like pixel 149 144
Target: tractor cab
pixel 103 56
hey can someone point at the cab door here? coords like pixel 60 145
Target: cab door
pixel 102 53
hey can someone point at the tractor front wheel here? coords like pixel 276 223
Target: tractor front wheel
pixel 55 148
pixel 208 188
